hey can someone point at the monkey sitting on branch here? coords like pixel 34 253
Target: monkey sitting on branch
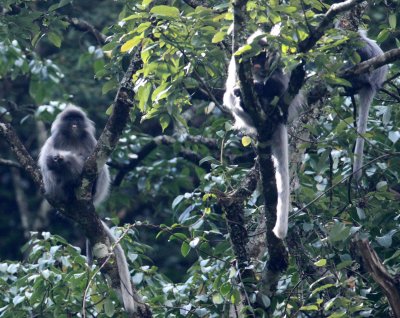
pixel 61 162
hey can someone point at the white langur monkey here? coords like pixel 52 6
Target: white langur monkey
pixel 61 162
pixel 267 88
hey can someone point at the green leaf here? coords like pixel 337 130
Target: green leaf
pixel 225 289
pixel 392 21
pixel 246 140
pixel 243 49
pixel 165 11
pixel 320 263
pixel 109 308
pixel 164 121
pixel 146 3
pixel 218 37
pixel 382 36
pixel 309 308
pixel 339 232
pixel 54 38
pixel 185 249
pixel 265 300
pixel 108 86
pixel 321 288
pixel 217 299
pixel 287 9
pixel 128 45
pixel 178 236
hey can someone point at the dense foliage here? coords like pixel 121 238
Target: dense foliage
pixel 179 156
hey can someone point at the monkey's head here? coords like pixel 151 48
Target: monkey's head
pixel 72 122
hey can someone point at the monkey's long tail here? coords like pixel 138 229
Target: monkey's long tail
pixel 279 147
pixel 123 271
pixel 366 98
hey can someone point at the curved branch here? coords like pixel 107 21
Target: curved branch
pixel 372 64
pixel 22 155
pixel 326 22
pixel 85 26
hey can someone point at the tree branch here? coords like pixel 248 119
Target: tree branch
pixel 22 155
pixel 389 284
pixel 372 64
pixel 326 22
pixel 85 26
pixel 9 163
pixel 232 204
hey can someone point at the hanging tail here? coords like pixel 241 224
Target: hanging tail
pixel 123 271
pixel 281 162
pixel 366 96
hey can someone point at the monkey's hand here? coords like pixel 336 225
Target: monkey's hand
pixel 67 163
pixel 55 162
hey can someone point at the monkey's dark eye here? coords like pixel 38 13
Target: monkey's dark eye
pixel 77 117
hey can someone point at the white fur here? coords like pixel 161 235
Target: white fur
pixel 123 271
pixel 279 145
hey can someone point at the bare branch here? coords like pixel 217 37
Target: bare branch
pixel 9 163
pixel 21 153
pixel 85 26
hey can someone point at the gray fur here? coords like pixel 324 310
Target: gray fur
pixel 61 161
pixel 75 150
pixel 366 86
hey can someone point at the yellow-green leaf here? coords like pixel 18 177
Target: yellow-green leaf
pixel 320 263
pixel 309 308
pixel 218 37
pixel 165 11
pixel 131 43
pixel 246 140
pixel 392 21
pixel 217 299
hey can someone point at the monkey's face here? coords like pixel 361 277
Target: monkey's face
pixel 73 124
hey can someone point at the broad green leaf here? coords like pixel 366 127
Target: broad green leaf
pixel 339 232
pixel 108 86
pixel 54 38
pixel 185 249
pixel 109 308
pixel 165 11
pixel 382 36
pixel 225 289
pixel 164 121
pixel 218 37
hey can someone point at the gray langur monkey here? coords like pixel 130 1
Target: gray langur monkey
pixel 267 88
pixel 366 86
pixel 61 162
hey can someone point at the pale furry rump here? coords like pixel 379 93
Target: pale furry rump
pixel 125 276
pixel 279 145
